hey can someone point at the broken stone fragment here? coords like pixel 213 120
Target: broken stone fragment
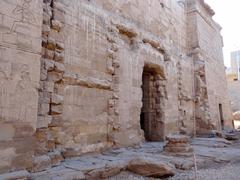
pixel 150 167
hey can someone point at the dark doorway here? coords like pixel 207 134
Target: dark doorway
pixel 221 116
pixel 151 112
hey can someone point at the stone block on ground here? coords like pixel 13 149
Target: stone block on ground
pixel 150 167
pixel 178 144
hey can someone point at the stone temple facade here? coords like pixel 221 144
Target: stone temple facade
pixel 80 76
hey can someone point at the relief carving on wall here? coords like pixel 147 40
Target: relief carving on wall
pixel 25 12
pixel 16 90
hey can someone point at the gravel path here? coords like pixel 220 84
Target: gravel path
pixel 226 172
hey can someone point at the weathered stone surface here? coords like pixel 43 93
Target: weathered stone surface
pixel 178 144
pixel 56 158
pixel 84 76
pixel 15 175
pixel 150 167
pixel 41 163
pixel 59 173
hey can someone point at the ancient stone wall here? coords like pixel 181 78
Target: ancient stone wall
pixel 210 81
pixel 72 75
pixel 233 91
pixel 20 53
pixel 98 80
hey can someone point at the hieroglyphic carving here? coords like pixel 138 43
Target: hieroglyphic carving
pixel 23 91
pixel 16 92
pixel 24 10
pixel 4 83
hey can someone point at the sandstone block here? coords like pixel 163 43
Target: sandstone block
pixel 57 121
pixel 7 132
pixel 43 75
pixel 43 109
pixel 59 6
pixel 47 8
pixel 41 135
pixel 58 15
pixel 44 121
pixel 46 18
pixel 56 109
pixel 58 36
pixel 51 44
pixel 44 97
pixel 48 64
pixel 150 167
pixel 59 56
pixel 54 76
pixel 60 46
pixel 57 99
pixel 7 155
pixel 48 86
pixel 59 67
